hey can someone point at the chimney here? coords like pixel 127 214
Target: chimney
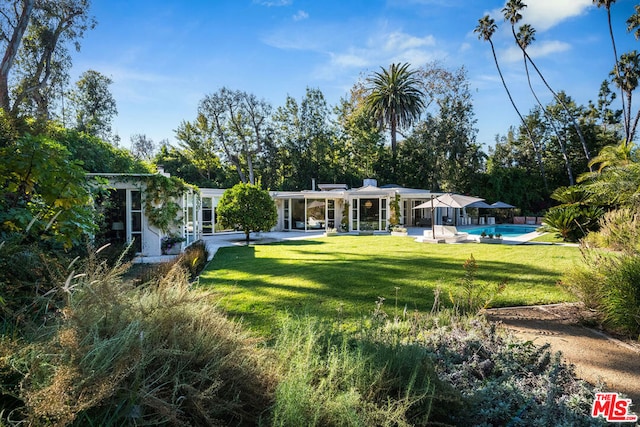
pixel 313 184
pixel 161 171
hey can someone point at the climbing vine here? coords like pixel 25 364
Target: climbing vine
pixel 395 211
pixel 161 200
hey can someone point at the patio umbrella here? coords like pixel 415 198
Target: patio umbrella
pixel 481 204
pixel 501 205
pixel 448 200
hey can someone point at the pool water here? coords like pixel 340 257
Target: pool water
pixel 505 230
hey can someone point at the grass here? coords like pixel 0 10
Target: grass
pixel 548 238
pixel 342 278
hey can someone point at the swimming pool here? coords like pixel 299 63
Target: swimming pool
pixel 505 230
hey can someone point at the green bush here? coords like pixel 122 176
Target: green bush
pixel 572 222
pixel 619 231
pixel 609 282
pixel 621 303
pixel 334 380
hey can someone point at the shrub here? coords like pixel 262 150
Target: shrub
pixel 621 303
pixel 193 260
pixel 156 354
pixel 335 380
pixel 572 222
pixel 610 283
pixel 619 231
pixel 491 378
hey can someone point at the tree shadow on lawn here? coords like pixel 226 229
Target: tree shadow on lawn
pixel 333 288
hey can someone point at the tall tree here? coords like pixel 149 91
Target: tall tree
pixel 240 123
pixel 360 139
pixel 485 30
pixel 525 36
pixel 616 69
pixel 13 27
pixel 198 145
pixel 633 23
pixel 626 78
pixel 142 147
pixel 394 98
pixel 93 104
pixel 512 14
pixel 48 26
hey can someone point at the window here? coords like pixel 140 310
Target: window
pixel 207 215
pixel 135 230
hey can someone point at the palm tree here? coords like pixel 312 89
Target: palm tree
pixel 485 30
pixel 614 155
pixel 633 23
pixel 607 5
pixel 394 98
pixel 525 36
pixel 627 76
pixel 618 156
pixel 512 14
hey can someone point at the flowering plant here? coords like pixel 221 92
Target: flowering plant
pixel 169 241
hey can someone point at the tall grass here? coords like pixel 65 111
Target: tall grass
pixel 336 380
pixel 160 354
pixel 608 280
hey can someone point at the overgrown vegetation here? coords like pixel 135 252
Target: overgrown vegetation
pixel 159 354
pixel 164 354
pixel 608 280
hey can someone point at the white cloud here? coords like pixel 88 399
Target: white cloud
pixel 379 50
pixel 398 41
pixel 273 3
pixel 535 51
pixel 349 60
pixel 544 14
pixel 300 15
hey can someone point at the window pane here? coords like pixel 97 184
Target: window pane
pixel 136 200
pixel 136 221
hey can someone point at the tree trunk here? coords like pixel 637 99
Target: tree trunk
pixel 533 143
pixel 625 113
pixel 11 52
pixel 566 108
pixel 247 233
pixel 561 143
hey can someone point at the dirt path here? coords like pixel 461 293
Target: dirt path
pixel 595 355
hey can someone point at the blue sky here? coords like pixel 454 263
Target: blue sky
pixel 164 56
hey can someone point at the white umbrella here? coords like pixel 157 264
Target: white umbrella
pixel 448 200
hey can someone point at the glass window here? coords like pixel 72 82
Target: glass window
pixel 370 214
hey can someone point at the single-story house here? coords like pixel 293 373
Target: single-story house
pixel 323 207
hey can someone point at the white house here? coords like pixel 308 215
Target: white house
pixel 329 206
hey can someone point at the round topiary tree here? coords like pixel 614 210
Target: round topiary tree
pixel 247 207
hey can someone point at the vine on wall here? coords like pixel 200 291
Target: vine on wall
pixel 161 200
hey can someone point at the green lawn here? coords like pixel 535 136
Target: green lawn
pixel 343 277
pixel 548 238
